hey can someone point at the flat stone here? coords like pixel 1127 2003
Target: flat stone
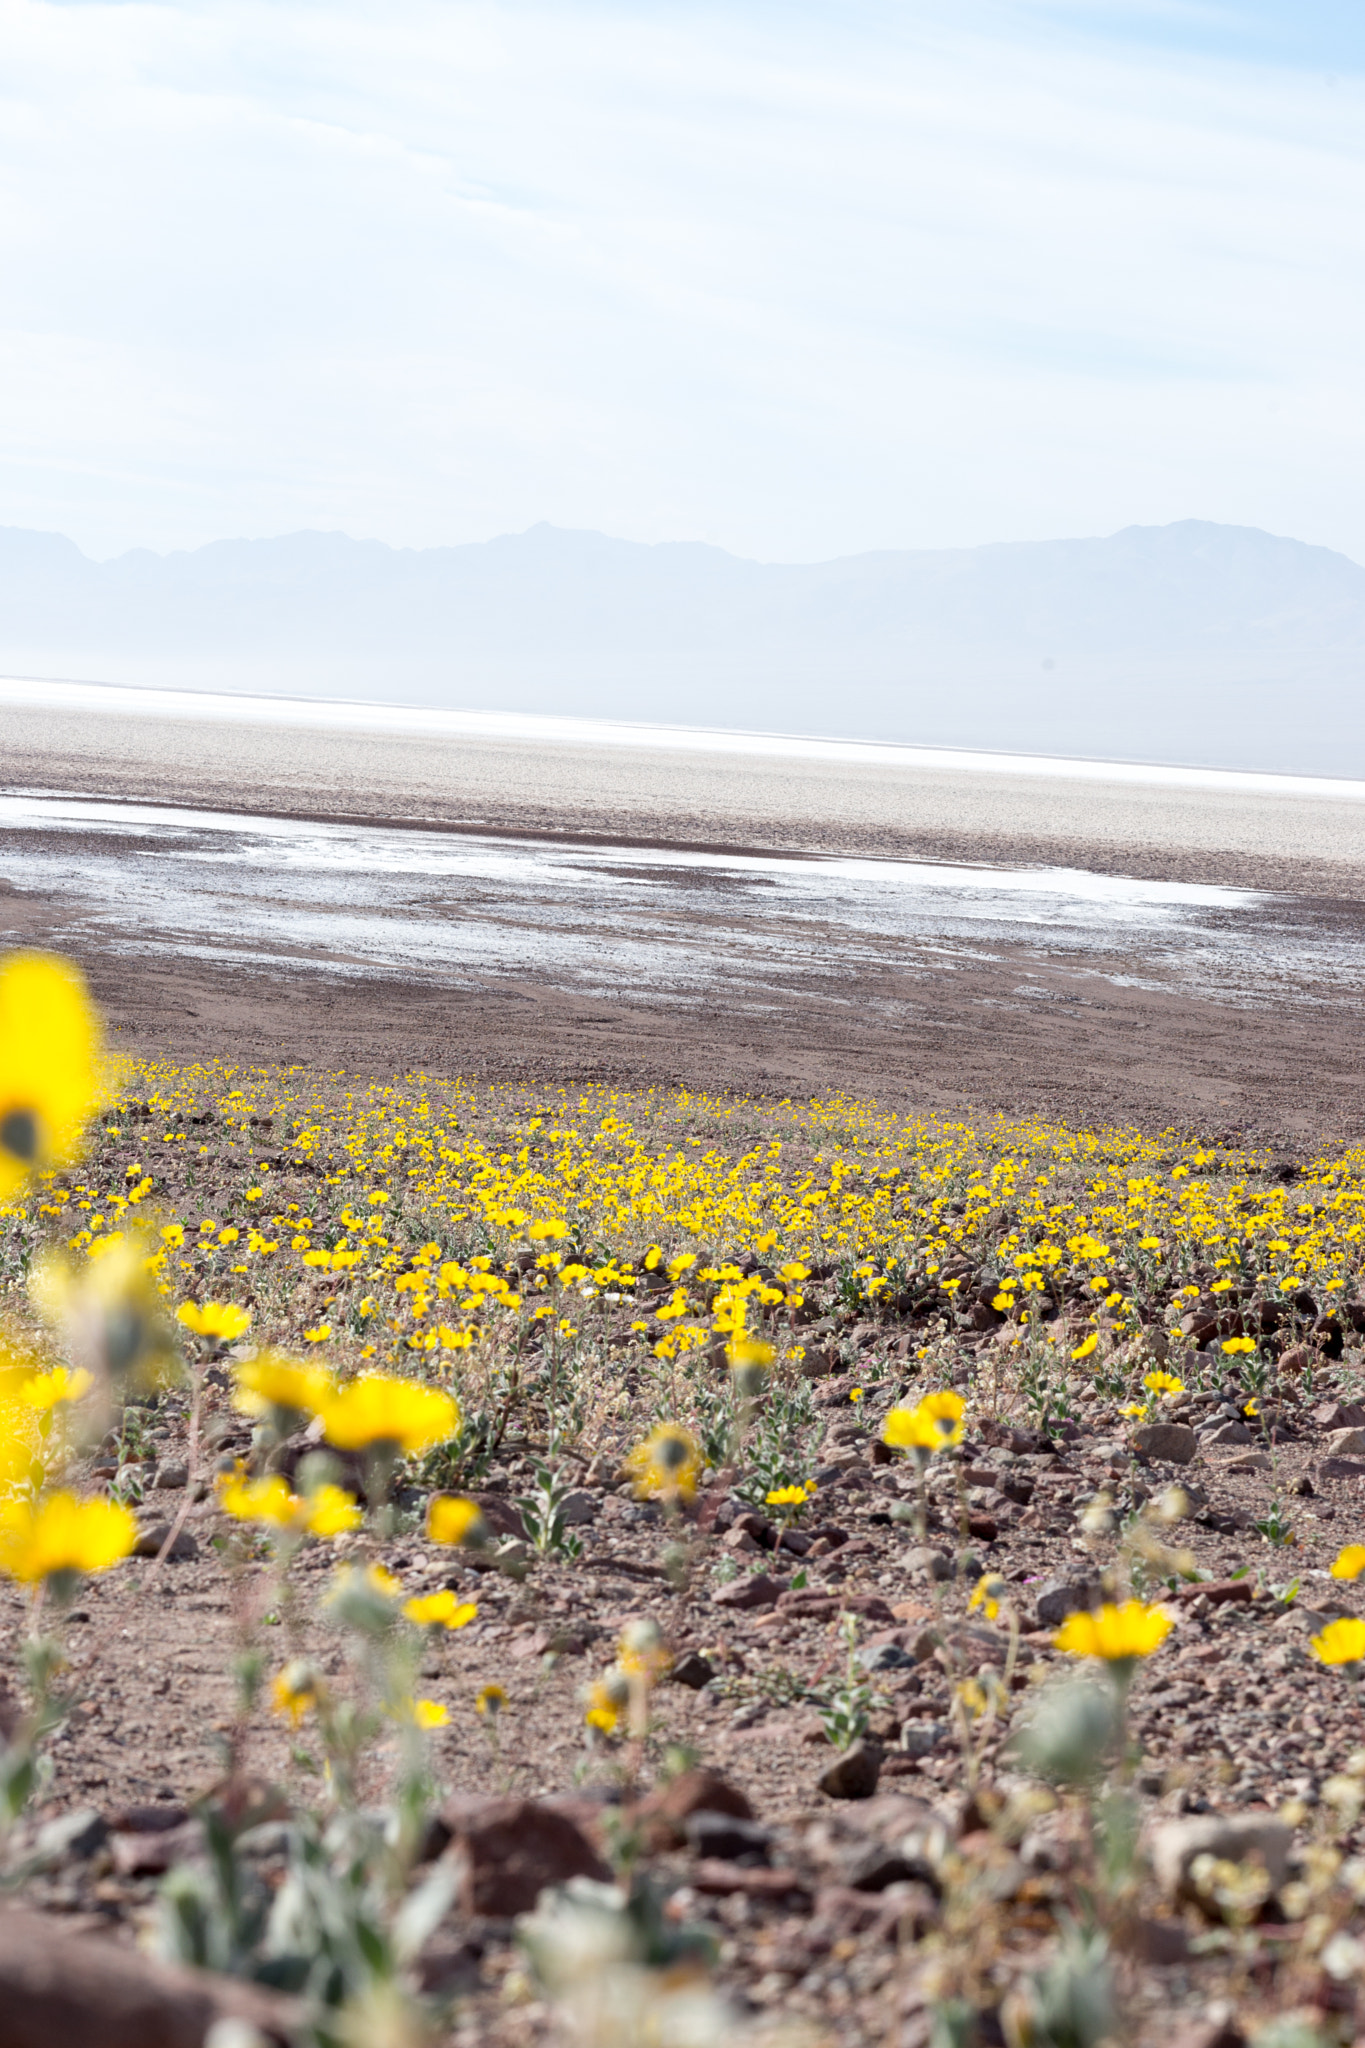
pixel 1346 1443
pixel 172 1476
pixel 1341 1468
pixel 150 1540
pixel 758 1589
pixel 72 1836
pixel 1058 1598
pixel 509 1850
pixel 1334 1415
pixel 925 1562
pixel 922 1738
pixel 885 1657
pixel 1250 1461
pixel 1232 1838
pixel 853 1775
pixel 579 1507
pixel 1219 1592
pixel 727 1836
pixel 1165 1443
pixel 692 1670
pixel 1228 1433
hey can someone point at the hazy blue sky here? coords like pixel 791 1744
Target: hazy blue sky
pixel 796 278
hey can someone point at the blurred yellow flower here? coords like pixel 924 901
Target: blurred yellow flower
pixel 294 1691
pixel 1163 1383
pixel 328 1511
pixel 274 1381
pixel 452 1519
pixel 379 1409
pixel 223 1321
pixel 50 1064
pixel 489 1701
pixel 1341 1642
pixel 47 1389
pixel 934 1425
pixel 1117 1633
pixel 1083 1350
pixel 667 1465
pixel 987 1594
pixel 1350 1562
pixel 429 1714
pixel 440 1610
pixel 62 1534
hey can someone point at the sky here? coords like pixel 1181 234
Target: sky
pixel 798 278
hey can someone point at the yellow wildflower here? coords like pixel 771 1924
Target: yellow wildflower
pixel 379 1409
pixel 489 1701
pixel 1350 1562
pixel 223 1321
pixel 50 1079
pixel 934 1425
pixel 48 1389
pixel 987 1594
pixel 1083 1350
pixel 440 1610
pixel 62 1534
pixel 454 1520
pixel 429 1714
pixel 667 1465
pixel 1116 1633
pixel 274 1381
pixel 294 1691
pixel 1341 1642
pixel 1163 1383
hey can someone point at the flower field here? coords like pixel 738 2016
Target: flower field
pixel 896 1575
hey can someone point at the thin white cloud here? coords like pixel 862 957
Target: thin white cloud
pixel 800 281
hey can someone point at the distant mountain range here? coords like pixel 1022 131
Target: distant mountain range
pixel 1193 642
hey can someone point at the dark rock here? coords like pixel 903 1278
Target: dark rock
pixel 509 1850
pixel 150 1540
pixel 853 1775
pixel 922 1738
pixel 726 1836
pixel 692 1670
pixel 65 1990
pixel 872 1867
pixel 1219 1592
pixel 72 1836
pixel 756 1589
pixel 1057 1598
pixel 1165 1443
pixel 1340 1468
pixel 152 1855
pixel 668 1807
pixel 1330 1415
pixel 885 1657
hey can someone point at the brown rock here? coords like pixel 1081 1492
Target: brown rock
pixel 1219 1591
pixel 758 1589
pixel 1341 1468
pixel 508 1850
pixel 150 1540
pixel 717 1878
pixel 1332 1414
pixel 1346 1443
pixel 699 1790
pixel 64 1990
pixel 1165 1443
pixel 853 1775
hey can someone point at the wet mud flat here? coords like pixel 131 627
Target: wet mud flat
pixel 1069 991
